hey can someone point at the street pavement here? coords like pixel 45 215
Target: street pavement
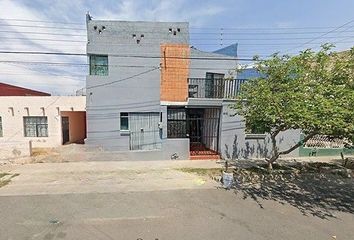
pixel 151 200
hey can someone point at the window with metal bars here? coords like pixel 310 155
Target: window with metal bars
pixel 176 123
pixel 35 126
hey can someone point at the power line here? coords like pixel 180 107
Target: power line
pixel 151 44
pixel 41 21
pixel 259 28
pixel 45 33
pixel 215 28
pixel 129 37
pixel 43 39
pixel 109 65
pixel 322 35
pixel 191 33
pixel 123 79
pixel 45 27
pixel 124 56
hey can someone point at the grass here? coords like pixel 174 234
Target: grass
pixel 42 151
pixel 4 182
pixel 4 174
pixel 210 172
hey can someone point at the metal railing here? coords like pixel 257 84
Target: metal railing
pixel 218 88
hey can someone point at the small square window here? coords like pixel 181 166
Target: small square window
pixel 35 126
pixel 124 121
pixel 98 65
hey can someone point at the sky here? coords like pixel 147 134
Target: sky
pixel 259 27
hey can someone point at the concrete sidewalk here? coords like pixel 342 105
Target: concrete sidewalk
pixel 104 177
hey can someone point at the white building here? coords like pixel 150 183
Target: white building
pixel 40 121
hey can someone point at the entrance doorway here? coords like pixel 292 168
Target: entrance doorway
pixel 203 130
pixel 73 127
pixel 200 125
pixel 65 129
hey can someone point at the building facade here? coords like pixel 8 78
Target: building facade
pixel 151 94
pixel 42 121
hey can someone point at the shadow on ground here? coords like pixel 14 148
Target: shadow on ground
pixel 317 194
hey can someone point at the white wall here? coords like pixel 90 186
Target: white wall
pixel 13 109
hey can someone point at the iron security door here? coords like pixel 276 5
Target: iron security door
pixel 144 131
pixel 203 129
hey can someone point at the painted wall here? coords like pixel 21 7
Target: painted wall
pixel 13 109
pixel 137 79
pixel 236 144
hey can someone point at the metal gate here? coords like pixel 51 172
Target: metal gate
pixel 144 131
pixel 200 125
pixel 203 130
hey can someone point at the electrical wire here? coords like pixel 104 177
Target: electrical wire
pixel 123 56
pixel 121 80
pixel 322 35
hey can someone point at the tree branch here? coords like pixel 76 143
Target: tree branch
pixel 298 144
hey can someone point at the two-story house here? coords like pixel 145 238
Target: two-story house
pixel 153 96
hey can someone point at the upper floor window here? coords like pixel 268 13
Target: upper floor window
pixel 35 126
pixel 214 85
pixel 99 65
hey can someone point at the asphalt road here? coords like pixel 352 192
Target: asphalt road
pixel 168 214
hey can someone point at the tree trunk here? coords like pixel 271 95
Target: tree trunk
pixel 276 154
pixel 270 166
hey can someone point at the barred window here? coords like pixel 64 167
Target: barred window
pixel 35 126
pixel 99 65
pixel 1 134
pixel 176 123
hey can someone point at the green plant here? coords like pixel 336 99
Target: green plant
pixel 313 91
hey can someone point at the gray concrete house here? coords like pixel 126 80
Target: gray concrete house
pixel 150 95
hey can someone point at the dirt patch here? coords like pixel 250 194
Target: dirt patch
pixel 43 152
pixel 213 173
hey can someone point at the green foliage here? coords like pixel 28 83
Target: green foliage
pixel 313 91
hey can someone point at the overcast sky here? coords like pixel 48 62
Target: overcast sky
pixel 260 27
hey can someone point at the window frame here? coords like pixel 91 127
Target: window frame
pixel 98 70
pixel 36 125
pixel 176 122
pixel 124 115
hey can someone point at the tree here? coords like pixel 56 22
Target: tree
pixel 313 91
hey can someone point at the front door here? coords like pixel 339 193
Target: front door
pixel 195 127
pixel 203 130
pixel 65 129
